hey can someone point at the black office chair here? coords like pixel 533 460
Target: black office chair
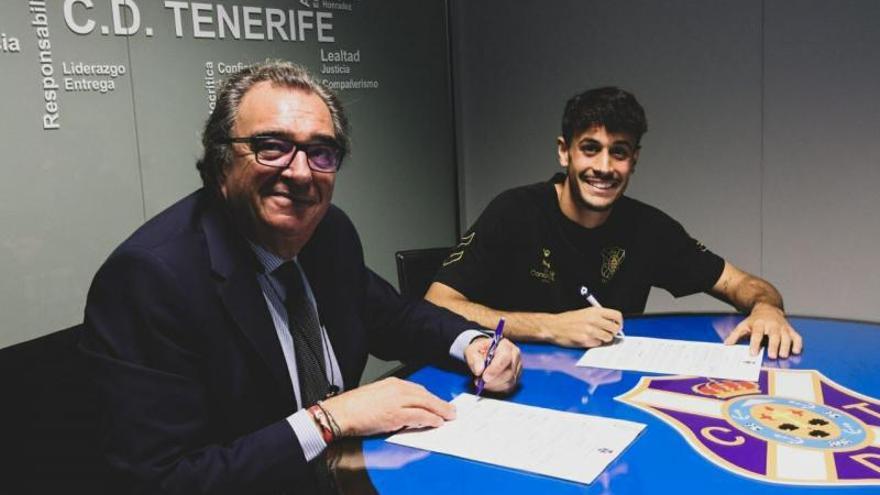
pixel 49 418
pixel 416 269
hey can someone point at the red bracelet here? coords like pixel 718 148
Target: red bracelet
pixel 323 423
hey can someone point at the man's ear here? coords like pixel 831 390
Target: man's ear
pixel 562 151
pixel 635 158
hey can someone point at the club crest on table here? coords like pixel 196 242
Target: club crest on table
pixel 791 426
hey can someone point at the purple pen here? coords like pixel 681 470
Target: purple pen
pixel 496 338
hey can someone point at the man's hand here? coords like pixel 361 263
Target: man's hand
pixel 588 327
pixel 764 319
pixel 503 372
pixel 764 304
pixel 385 406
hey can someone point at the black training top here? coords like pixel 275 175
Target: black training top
pixel 524 254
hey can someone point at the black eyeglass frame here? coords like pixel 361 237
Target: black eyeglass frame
pixel 297 147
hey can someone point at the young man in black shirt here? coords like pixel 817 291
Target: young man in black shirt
pixel 534 247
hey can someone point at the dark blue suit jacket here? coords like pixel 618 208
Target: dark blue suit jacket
pixel 187 358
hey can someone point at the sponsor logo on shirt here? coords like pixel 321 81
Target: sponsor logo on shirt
pixel 612 258
pixel 544 271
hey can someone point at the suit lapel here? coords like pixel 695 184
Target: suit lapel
pixel 235 264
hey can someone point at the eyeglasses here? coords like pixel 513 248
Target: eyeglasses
pixel 278 152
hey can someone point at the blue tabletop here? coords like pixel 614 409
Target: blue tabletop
pixel 665 458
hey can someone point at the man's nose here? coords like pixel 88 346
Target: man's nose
pixel 602 161
pixel 298 171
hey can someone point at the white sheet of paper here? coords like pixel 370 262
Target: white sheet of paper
pixel 565 445
pixel 676 357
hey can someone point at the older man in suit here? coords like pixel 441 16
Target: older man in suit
pixel 228 334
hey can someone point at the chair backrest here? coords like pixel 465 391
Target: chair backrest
pixel 416 269
pixel 49 417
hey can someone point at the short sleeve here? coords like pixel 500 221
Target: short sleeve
pixel 683 266
pixel 474 262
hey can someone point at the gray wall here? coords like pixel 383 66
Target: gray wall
pixel 763 115
pixel 68 196
pixel 763 123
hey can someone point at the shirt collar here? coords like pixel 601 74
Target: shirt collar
pixel 269 260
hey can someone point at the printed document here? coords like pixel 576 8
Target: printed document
pixel 565 445
pixel 676 357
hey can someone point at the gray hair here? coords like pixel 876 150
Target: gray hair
pixel 218 157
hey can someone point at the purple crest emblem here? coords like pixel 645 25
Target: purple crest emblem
pixel 793 427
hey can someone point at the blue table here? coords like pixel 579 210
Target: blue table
pixel 660 460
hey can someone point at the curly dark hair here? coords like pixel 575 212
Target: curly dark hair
pixel 610 107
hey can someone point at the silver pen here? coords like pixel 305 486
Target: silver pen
pixel 592 301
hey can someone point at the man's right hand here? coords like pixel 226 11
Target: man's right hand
pixel 588 327
pixel 385 406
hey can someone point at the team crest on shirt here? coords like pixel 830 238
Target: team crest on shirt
pixel 543 271
pixel 612 258
pixel 793 427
